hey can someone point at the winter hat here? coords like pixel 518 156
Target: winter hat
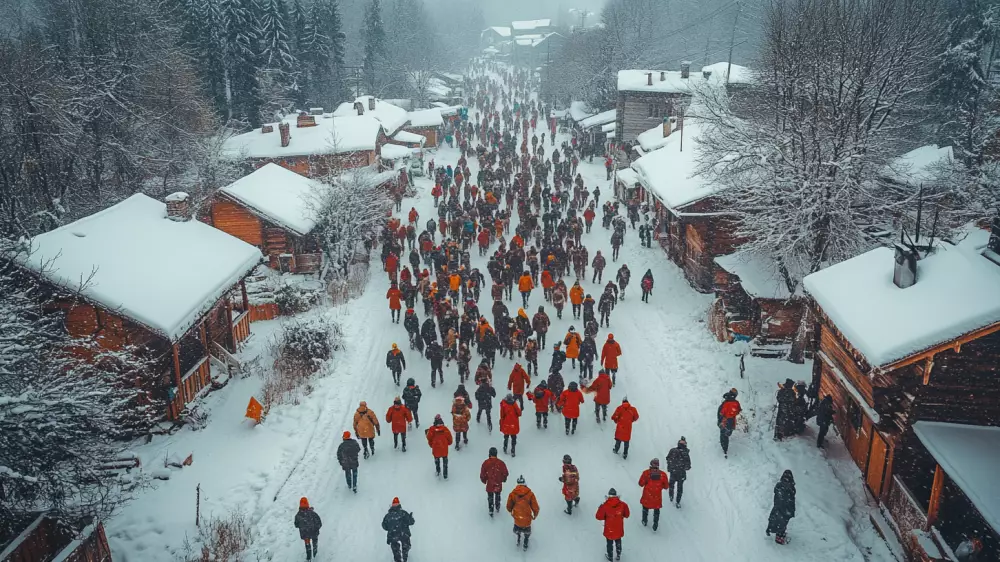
pixel 394 346
pixel 683 441
pixel 655 463
pixel 410 382
pixel 438 420
pixel 612 493
pixel 304 503
pixel 789 383
pixel 520 479
pixel 567 459
pixel 363 404
pixel 572 385
pixel 395 502
pixel 347 435
pixel 493 451
pixel 541 309
pixel 556 345
pixel 611 336
pixel 572 328
pixel 397 400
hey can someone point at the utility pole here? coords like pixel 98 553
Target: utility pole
pixel 584 14
pixel 732 42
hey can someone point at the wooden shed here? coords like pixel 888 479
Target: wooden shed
pixel 44 538
pixel 142 275
pixel 273 209
pixel 426 123
pixel 893 352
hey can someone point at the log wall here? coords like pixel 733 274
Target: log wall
pixel 235 220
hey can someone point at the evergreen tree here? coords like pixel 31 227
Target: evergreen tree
pixel 276 51
pixel 241 44
pixel 375 47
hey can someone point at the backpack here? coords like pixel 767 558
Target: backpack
pixel 730 409
pixel 539 394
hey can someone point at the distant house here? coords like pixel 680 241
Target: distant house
pixel 273 209
pixel 593 126
pixel 152 278
pixel 392 117
pixel 533 50
pixel 692 225
pixel 646 97
pixel 312 145
pixel 494 37
pixel 909 349
pixel 45 538
pixel 531 27
pixel 427 123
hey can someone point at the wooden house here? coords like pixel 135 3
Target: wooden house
pixel 44 538
pixel 312 145
pixel 531 27
pixel 273 209
pixel 392 117
pixel 426 123
pixel 906 338
pixel 692 224
pixel 142 275
pixel 592 127
pixel 496 37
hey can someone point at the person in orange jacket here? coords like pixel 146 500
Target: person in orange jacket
pixel 542 397
pixel 609 356
pixel 547 284
pixel 576 299
pixel 572 341
pixel 624 416
pixel 394 295
pixel 510 424
pixel 398 417
pixel 613 512
pixel 601 388
pixel 454 284
pixel 517 382
pixel 525 285
pixel 653 481
pixel 569 403
pixel 439 439
pixel 414 216
pixel 523 506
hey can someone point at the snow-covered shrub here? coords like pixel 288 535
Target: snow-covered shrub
pixel 223 539
pixel 291 299
pixel 299 351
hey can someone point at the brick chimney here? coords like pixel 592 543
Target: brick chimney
pixel 305 120
pixel 649 78
pixel 685 69
pixel 178 206
pixel 359 107
pixel 666 127
pixel 663 76
pixel 371 103
pixel 285 131
pixel 267 129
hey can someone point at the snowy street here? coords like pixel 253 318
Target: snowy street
pixel 672 370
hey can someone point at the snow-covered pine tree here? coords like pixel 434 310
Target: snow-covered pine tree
pixel 298 30
pixel 276 50
pixel 373 63
pixel 329 65
pixel 241 47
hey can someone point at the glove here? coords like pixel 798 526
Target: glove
pixel 560 479
pixel 378 431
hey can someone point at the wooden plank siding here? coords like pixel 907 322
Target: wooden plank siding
pixel 637 112
pixel 235 220
pixel 321 165
pixel 241 327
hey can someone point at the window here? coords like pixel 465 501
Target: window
pixel 854 414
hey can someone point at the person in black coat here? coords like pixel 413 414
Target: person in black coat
pixel 824 417
pixel 558 358
pixel 436 356
pixel 308 523
pixel 429 331
pixel 800 409
pixel 678 463
pixel 784 419
pixel 484 399
pixel 588 352
pixel 784 507
pixel 395 361
pixel 396 525
pixel 347 456
pixel 488 347
pixel 412 325
pixel 411 397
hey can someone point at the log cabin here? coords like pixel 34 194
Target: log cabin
pixel 273 209
pixel 312 145
pixel 42 537
pixel 692 224
pixel 143 276
pixel 392 117
pixel 427 123
pixel 909 349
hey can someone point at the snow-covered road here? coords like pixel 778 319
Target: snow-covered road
pixel 672 370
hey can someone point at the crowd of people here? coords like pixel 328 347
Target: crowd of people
pixel 526 211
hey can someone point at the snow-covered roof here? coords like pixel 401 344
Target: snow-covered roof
pixel 759 275
pixel 501 31
pixel 600 119
pixel 279 195
pixel 409 138
pixel 955 293
pixel 670 174
pixel 331 135
pixel 920 165
pixel 609 128
pixel 426 118
pixel 969 455
pixel 395 152
pixel 136 262
pixel 670 81
pixel 628 176
pixel 527 25
pixel 491 50
pixel 391 116
pixel 653 139
pixel 579 111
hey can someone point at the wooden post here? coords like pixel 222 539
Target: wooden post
pixel 935 504
pixel 197 506
pixel 230 337
pixel 204 343
pixel 177 374
pixel 246 299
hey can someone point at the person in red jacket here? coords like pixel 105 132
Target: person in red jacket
pixel 609 357
pixel 569 404
pixel 510 424
pixel 601 388
pixel 394 294
pixel 517 382
pixel 571 484
pixel 436 192
pixel 440 440
pixel 414 216
pixel 398 417
pixel 613 512
pixel 624 416
pixel 391 265
pixel 493 473
pixel 652 482
pixel 542 397
pixel 728 410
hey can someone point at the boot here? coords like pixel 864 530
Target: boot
pixel 526 542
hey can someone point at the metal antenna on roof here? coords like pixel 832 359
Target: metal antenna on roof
pixel 937 211
pixel 920 208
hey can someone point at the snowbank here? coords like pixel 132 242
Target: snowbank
pixel 955 293
pixel 759 275
pixel 395 152
pixel 579 111
pixel 390 116
pixel 278 195
pixel 670 173
pixel 136 262
pixel 920 165
pixel 331 135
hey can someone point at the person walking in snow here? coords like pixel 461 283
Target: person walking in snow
pixel 435 353
pixel 784 508
pixel 588 352
pixel 570 484
pixel 347 456
pixel 542 397
pixel 728 410
pixel 411 397
pixel 395 361
pixel 439 439
pixel 484 400
pixel 601 388
pixel 493 473
pixel 824 417
pixel 394 295
pixel 646 285
pixel 613 512
pixel 398 417
pixel 678 463
pixel 525 284
pixel 510 423
pixel 396 525
pixel 569 404
pixel 598 264
pixel 625 415
pixel 623 276
pixel 308 523
pixel 652 481
pixel 783 420
pixel 518 382
pixel 366 426
pixel 461 415
pixel 572 342
pixel 523 507
pixel 609 357
pixel 540 323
